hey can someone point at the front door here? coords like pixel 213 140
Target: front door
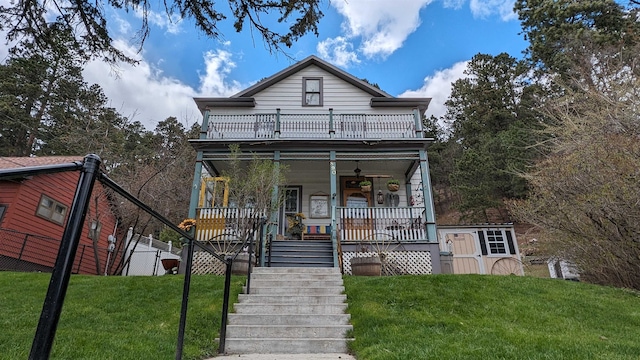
pixel 352 196
pixel 291 205
pixel 357 222
pixel 467 258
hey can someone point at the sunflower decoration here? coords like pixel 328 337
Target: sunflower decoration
pixel 187 224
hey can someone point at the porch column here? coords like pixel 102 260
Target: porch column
pixel 430 215
pixel 273 217
pixel 197 174
pixel 418 123
pixel 334 196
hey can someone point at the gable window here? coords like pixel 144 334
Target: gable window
pixel 3 209
pixel 51 210
pixel 312 91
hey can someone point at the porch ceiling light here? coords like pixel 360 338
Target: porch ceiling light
pixel 357 170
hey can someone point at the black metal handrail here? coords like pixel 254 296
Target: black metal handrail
pixel 54 299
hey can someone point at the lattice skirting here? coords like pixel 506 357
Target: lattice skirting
pixel 205 263
pixel 407 262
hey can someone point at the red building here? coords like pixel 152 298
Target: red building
pixel 34 211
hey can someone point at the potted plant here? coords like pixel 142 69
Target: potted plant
pixel 365 186
pixel 393 185
pixel 296 226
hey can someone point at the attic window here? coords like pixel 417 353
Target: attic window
pixel 312 91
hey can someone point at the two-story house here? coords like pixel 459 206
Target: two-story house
pixel 333 131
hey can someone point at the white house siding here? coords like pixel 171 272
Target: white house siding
pixel 337 94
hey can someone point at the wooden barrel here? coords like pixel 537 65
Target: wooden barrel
pixel 240 264
pixel 366 266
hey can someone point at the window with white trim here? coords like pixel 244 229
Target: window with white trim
pixel 496 242
pixel 51 210
pixel 312 91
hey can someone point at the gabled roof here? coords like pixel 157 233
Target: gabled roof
pixel 245 98
pixel 312 60
pixel 17 162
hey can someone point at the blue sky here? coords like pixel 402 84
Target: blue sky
pixel 408 47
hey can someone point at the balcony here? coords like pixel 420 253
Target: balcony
pixel 312 126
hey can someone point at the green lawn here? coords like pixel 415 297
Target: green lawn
pixel 114 317
pixel 491 317
pixel 407 317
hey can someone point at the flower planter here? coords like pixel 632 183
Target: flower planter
pixel 366 266
pixel 393 187
pixel 365 188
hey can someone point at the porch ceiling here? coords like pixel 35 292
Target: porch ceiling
pixel 314 145
pixel 399 167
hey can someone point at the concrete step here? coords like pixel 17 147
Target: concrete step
pixel 298 319
pixel 286 331
pixel 327 290
pixel 285 345
pixel 295 283
pixel 289 309
pixel 298 299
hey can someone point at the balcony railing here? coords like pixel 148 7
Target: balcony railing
pixel 316 126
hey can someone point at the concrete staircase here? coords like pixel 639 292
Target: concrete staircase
pixel 290 311
pixel 298 253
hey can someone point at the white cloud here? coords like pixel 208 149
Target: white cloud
pixel 382 25
pixel 338 51
pixel 455 4
pixel 218 65
pixel 486 8
pixel 143 93
pixel 438 88
pixel 161 20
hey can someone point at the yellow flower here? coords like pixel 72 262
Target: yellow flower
pixel 300 215
pixel 187 224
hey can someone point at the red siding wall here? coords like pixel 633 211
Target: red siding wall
pixel 23 199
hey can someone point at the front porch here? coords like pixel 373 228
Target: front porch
pixel 323 184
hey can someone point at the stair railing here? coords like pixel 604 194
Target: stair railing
pixel 249 244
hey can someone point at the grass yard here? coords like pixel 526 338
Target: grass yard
pixel 114 317
pixel 406 317
pixel 491 317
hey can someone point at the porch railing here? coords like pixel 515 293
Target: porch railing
pixel 406 224
pixel 212 222
pixel 317 126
